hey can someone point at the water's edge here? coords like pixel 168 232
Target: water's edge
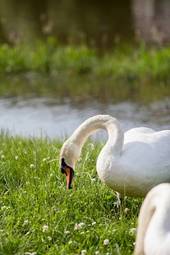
pixel 41 117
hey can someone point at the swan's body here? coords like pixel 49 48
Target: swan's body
pixel 131 162
pixel 153 235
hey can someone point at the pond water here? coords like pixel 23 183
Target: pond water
pixel 45 117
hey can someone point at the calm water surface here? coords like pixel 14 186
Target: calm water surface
pixel 45 117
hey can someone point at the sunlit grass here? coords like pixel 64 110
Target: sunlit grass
pixel 37 214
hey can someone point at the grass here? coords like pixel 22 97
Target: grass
pixel 38 216
pixel 80 73
pixel 121 63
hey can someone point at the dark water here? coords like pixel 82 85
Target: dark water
pixel 97 23
pixel 43 117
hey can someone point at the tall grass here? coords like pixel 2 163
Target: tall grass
pixel 38 216
pixel 50 70
pixel 121 63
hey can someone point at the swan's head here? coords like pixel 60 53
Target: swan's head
pixel 69 154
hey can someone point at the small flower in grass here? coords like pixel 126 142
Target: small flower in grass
pixel 66 232
pixel 79 225
pixel 97 252
pixel 30 253
pixel 83 252
pixel 16 157
pixel 25 152
pixel 49 238
pixel 4 207
pixel 93 223
pixel 32 166
pixel 2 156
pixel 132 231
pixel 126 210
pixel 45 228
pixel 93 179
pixel 106 242
pixel 25 222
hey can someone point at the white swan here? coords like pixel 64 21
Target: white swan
pixel 153 235
pixel 130 163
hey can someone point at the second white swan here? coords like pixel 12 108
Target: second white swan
pixel 130 163
pixel 153 232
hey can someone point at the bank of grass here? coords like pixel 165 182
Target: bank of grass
pixel 38 216
pixel 127 62
pixel 79 73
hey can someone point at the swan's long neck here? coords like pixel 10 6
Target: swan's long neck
pixel 115 133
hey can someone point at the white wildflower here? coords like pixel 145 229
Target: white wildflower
pixel 93 223
pixel 83 252
pixel 16 157
pixel 45 228
pixel 106 242
pixel 132 231
pixel 30 253
pixel 97 253
pixel 25 222
pixel 2 156
pixel 66 232
pixel 4 207
pixel 93 179
pixel 79 225
pixel 49 238
pixel 126 210
pixel 32 166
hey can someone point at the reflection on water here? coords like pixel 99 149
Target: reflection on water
pixel 41 117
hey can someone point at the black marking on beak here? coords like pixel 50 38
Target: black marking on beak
pixel 63 166
pixel 68 171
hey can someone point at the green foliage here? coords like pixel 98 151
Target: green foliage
pixel 48 57
pixel 70 59
pixel 37 214
pixel 50 70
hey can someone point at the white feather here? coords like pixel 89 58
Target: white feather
pixel 132 162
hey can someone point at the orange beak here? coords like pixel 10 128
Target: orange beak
pixel 69 177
